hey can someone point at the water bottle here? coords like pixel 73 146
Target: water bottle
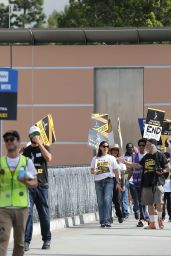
pixel 21 173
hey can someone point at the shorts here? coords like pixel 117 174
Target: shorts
pixel 152 196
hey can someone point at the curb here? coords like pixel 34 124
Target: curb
pixel 66 222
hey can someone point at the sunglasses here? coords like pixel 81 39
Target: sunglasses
pixel 11 139
pixel 142 145
pixel 104 146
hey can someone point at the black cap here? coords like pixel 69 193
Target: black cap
pixel 12 133
pixel 129 145
pixel 152 141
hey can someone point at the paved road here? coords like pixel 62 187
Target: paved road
pixel 91 240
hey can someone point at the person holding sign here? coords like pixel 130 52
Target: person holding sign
pixel 155 167
pixel 105 168
pixel 40 155
pixel 17 173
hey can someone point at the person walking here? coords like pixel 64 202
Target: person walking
pixel 137 175
pixel 125 194
pixel 155 167
pixel 17 173
pixel 104 168
pixel 117 193
pixel 167 191
pixel 40 155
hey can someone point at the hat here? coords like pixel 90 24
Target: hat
pixel 152 141
pixel 12 133
pixel 114 146
pixel 34 130
pixel 129 145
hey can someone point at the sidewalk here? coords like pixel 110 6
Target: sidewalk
pixel 91 240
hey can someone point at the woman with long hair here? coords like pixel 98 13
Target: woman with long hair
pixel 105 168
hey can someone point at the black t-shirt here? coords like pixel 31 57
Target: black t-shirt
pixel 149 164
pixel 39 162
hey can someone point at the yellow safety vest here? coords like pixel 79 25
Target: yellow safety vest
pixel 13 193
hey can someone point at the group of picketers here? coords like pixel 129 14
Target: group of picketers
pixel 23 183
pixel 140 176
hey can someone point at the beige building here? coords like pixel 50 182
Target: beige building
pixel 71 82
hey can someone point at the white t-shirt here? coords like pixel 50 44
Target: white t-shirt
pixel 30 169
pixel 167 185
pixel 122 168
pixel 105 164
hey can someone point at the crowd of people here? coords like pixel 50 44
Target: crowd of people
pixel 140 177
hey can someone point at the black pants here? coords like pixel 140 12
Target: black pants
pixel 117 201
pixel 167 202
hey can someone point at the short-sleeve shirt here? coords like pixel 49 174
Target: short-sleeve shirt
pixel 149 164
pixel 40 163
pixel 105 164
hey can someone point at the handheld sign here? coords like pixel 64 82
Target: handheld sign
pixel 166 134
pixel 8 93
pixel 99 130
pixel 154 122
pixel 141 122
pixel 47 130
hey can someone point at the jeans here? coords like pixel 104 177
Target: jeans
pixel 39 197
pixel 144 215
pixel 104 192
pixel 125 201
pixel 134 195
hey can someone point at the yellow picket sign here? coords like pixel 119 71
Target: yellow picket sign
pixel 47 130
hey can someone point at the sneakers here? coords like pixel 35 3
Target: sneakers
pixel 26 246
pixel 161 223
pixel 102 225
pixel 108 225
pixel 46 245
pixel 151 225
pixel 137 215
pixel 140 224
pixel 120 220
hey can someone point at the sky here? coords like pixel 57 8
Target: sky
pixel 49 5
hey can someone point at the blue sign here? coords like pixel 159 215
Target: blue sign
pixel 8 93
pixel 8 80
pixel 142 122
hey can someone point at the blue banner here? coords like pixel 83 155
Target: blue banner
pixel 142 122
pixel 8 80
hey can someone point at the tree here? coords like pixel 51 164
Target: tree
pixel 115 13
pixel 27 13
pixel 4 16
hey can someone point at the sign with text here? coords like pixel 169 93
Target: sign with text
pixel 8 93
pixel 154 123
pixel 47 130
pixel 99 130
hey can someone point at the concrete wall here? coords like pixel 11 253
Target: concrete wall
pixel 60 80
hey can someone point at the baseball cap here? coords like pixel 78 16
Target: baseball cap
pixel 12 133
pixel 34 130
pixel 129 145
pixel 152 141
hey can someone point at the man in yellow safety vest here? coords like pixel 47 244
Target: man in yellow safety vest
pixel 17 173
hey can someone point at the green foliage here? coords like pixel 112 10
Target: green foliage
pixel 113 13
pixel 27 13
pixel 4 16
